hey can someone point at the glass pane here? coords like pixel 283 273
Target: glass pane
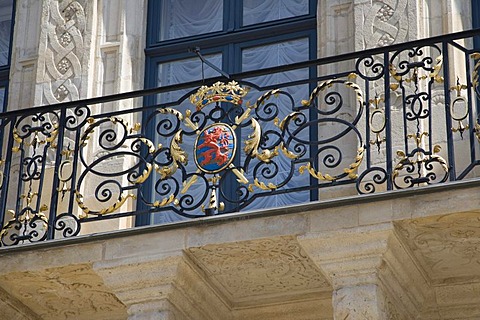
pixel 277 54
pixel 258 11
pixel 185 70
pixel 184 18
pixel 6 7
pixel 272 55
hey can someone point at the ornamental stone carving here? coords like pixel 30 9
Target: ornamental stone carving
pixel 447 247
pixel 245 271
pixel 73 292
pixel 386 22
pixel 64 31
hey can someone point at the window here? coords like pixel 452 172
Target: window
pixel 6 30
pixel 236 36
pixel 476 20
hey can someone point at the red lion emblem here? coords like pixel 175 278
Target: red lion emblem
pixel 216 141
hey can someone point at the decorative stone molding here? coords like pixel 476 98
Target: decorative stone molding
pixel 154 282
pixel 434 241
pixel 64 293
pixel 259 271
pixel 14 309
pixel 195 297
pixel 386 22
pixel 65 43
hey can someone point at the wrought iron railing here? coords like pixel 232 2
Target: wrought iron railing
pixel 378 120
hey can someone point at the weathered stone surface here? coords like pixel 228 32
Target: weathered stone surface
pixel 262 271
pixel 73 292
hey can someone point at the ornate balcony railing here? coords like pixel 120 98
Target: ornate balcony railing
pixel 372 121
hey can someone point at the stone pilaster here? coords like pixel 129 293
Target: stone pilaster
pixel 356 263
pixel 143 285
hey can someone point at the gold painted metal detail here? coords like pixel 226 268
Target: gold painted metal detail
pixel 351 171
pixel 477 131
pixel 476 71
pixel 353 167
pixel 421 158
pixel 164 201
pixel 36 140
pixel 377 129
pixel 231 92
pixel 212 203
pixel 63 176
pixel 178 155
pixel 26 215
pixel 328 84
pixel 263 186
pixel 416 77
pixel 123 196
pixel 423 162
pixel 456 104
pixel 252 145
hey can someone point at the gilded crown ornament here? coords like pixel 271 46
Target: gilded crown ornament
pixel 231 92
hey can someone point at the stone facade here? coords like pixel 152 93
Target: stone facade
pixel 407 255
pixel 410 256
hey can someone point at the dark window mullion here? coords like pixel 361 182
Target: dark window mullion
pixel 153 22
pixel 12 26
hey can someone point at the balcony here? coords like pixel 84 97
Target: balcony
pixel 269 163
pixel 370 122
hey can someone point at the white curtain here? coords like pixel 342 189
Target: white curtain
pixel 258 11
pixel 183 18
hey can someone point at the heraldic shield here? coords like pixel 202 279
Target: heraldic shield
pixel 215 148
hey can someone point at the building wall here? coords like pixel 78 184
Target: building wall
pixel 376 259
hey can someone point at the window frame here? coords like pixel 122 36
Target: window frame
pixel 5 69
pixel 229 42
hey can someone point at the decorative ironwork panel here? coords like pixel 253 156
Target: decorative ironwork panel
pixel 389 118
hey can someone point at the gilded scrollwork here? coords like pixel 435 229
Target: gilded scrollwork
pixel 329 160
pixel 35 138
pixel 419 168
pixel 377 121
pixel 109 192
